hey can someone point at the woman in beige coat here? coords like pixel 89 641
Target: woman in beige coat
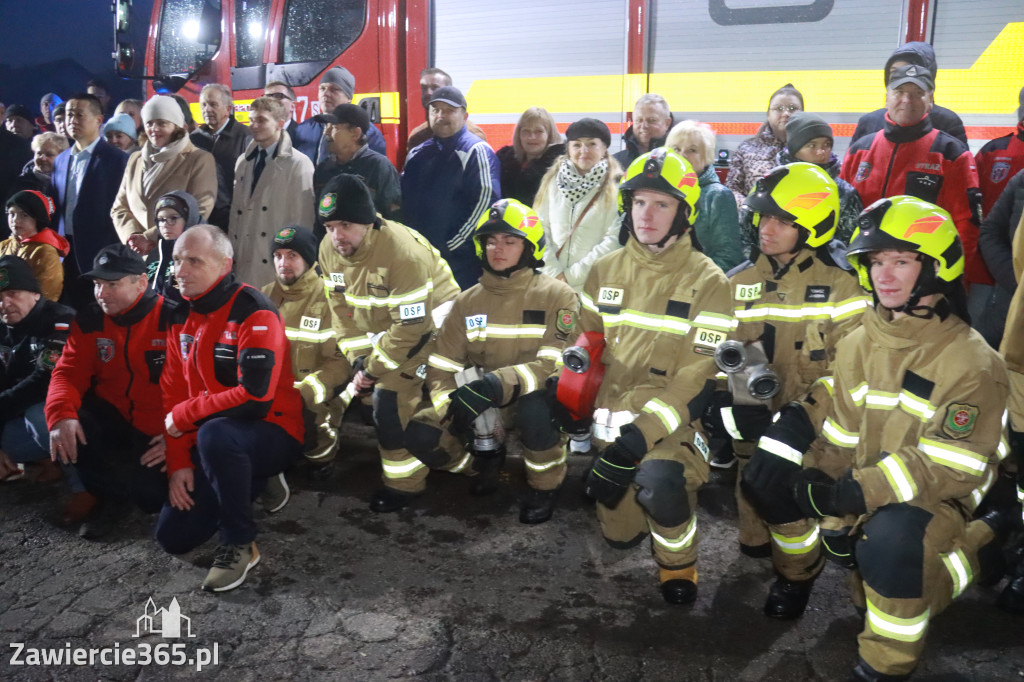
pixel 167 161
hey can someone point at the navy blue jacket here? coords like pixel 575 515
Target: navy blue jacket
pixel 447 185
pixel 93 225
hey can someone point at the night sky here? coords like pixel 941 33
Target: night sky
pixel 34 32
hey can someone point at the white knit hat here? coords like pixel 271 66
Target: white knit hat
pixel 162 107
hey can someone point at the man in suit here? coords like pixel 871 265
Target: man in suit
pixel 85 181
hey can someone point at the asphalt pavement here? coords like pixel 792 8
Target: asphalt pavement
pixel 451 588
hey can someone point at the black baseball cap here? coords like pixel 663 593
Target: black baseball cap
pixel 449 95
pixel 114 262
pixel 352 114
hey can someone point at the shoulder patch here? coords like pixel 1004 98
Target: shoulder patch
pixel 960 420
pixel 863 171
pixel 565 321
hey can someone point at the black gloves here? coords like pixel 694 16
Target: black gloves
pixel 767 480
pixel 818 495
pixel 470 400
pixel 615 468
pixel 723 419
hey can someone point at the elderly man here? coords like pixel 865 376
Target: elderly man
pixel 347 126
pixel 234 419
pixel 320 367
pixel 921 54
pixel 19 121
pixel 273 188
pixel 100 410
pixel 337 86
pixel 383 281
pixel 911 157
pixel 32 336
pixel 430 80
pixel 450 181
pixel 225 138
pixel 652 119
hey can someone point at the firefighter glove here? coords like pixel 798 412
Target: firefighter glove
pixel 615 469
pixel 818 495
pixel 470 400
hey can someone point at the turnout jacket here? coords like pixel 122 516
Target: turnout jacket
pixel 29 351
pixel 119 358
pixel 515 327
pixel 319 367
pixel 662 315
pixel 925 163
pixel 799 312
pixel 388 298
pixel 229 359
pixel 917 411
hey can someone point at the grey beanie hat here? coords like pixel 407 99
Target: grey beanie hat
pixel 1020 109
pixel 803 127
pixel 342 77
pixel 162 107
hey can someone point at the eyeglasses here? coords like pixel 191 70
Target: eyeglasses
pixel 779 109
pixel 279 96
pixel 168 221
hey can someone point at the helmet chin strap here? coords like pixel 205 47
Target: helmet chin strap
pixel 678 228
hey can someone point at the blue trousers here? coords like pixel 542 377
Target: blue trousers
pixel 233 459
pixel 25 438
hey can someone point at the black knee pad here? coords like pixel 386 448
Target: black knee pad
pixel 663 491
pixel 536 430
pixel 422 441
pixel 890 553
pixel 390 434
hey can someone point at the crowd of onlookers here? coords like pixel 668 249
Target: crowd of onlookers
pixel 85 176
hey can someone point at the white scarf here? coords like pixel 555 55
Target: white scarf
pixel 575 186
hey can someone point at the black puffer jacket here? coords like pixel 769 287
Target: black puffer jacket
pixel 28 352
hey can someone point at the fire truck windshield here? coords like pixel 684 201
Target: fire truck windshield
pixel 189 35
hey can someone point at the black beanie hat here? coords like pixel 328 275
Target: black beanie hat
pixel 346 197
pixel 16 274
pixel 589 127
pixel 37 205
pixel 298 239
pixel 802 128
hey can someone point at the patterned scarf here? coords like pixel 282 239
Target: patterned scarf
pixel 575 186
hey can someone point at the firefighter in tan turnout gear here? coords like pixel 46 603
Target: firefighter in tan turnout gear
pixel 321 370
pixel 910 441
pixel 389 291
pixel 663 307
pixel 792 302
pixel 511 327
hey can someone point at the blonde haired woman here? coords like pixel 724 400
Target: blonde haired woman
pixel 536 143
pixel 578 203
pixel 717 225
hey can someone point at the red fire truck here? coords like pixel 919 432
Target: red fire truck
pixel 713 60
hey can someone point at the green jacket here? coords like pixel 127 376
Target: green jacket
pixel 718 224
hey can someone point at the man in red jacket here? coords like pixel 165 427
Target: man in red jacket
pixel 101 407
pixel 911 157
pixel 234 419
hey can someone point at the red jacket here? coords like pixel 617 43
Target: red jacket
pixel 998 161
pixel 924 163
pixel 120 358
pixel 232 360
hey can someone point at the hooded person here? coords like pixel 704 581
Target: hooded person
pixel 921 54
pixel 29 216
pixel 175 212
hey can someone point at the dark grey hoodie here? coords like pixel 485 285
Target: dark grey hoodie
pixel 944 119
pixel 158 263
